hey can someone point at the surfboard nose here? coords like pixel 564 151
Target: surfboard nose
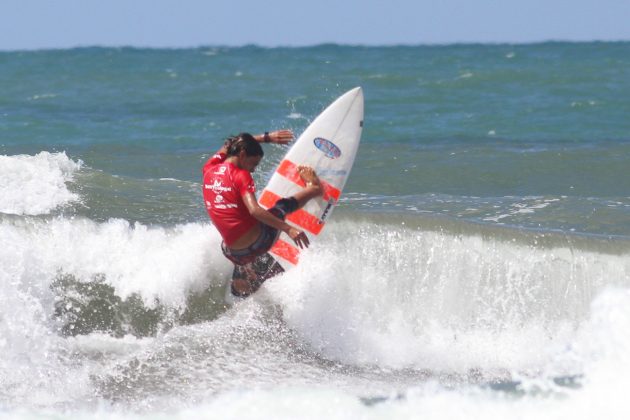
pixel 357 94
pixel 354 96
pixel 357 91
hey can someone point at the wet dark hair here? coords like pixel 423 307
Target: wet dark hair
pixel 243 141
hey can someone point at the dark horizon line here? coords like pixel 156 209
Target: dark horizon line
pixel 319 45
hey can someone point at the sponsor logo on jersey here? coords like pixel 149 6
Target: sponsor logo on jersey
pixel 219 203
pixel 217 187
pixel 225 206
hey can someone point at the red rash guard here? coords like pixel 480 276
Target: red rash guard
pixel 224 185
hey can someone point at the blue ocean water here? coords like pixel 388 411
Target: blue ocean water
pixel 480 248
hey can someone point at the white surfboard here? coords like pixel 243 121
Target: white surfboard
pixel 329 145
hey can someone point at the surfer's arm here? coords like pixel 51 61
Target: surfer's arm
pixel 263 216
pixel 277 137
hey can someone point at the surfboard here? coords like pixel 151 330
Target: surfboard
pixel 329 145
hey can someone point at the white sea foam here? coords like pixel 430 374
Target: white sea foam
pixel 31 185
pixel 433 301
pixel 529 206
pixel 42 96
pixel 383 296
pixel 157 263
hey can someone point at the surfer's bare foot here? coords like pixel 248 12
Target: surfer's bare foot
pixel 310 178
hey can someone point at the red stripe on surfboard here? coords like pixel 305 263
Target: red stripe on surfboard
pixel 268 199
pixel 307 221
pixel 288 170
pixel 300 217
pixel 287 251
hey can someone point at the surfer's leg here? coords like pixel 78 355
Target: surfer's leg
pixel 266 267
pixel 242 278
pixel 254 265
pixel 246 279
pixel 313 186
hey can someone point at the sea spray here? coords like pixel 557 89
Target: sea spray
pixel 63 277
pixel 393 296
pixel 31 185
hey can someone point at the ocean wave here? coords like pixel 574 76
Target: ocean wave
pixel 155 262
pixel 371 307
pixel 63 277
pixel 391 296
pixel 36 184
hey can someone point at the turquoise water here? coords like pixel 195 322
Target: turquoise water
pixel 480 248
pixel 472 123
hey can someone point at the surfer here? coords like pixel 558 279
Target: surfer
pixel 247 229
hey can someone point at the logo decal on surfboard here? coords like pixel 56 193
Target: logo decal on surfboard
pixel 326 211
pixel 328 147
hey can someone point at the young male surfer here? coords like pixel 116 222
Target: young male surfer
pixel 248 230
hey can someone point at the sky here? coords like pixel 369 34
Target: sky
pixel 41 24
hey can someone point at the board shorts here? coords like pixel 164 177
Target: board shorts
pixel 256 273
pixel 268 235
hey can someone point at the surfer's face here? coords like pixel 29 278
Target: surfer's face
pixel 249 163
